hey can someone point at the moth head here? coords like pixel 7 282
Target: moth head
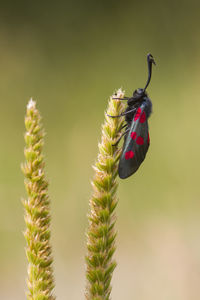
pixel 139 93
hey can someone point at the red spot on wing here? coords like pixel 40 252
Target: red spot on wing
pixel 129 154
pixel 143 117
pixel 133 135
pixel 148 139
pixel 137 114
pixel 140 140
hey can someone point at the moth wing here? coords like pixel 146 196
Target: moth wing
pixel 135 146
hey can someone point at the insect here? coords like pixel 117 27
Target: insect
pixel 136 133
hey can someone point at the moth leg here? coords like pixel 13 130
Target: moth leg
pixel 130 99
pixel 125 132
pixel 124 98
pixel 125 125
pixel 123 114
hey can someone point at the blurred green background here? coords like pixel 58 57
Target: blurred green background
pixel 70 56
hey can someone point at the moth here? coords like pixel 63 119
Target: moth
pixel 136 132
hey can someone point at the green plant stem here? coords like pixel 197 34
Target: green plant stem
pixel 101 233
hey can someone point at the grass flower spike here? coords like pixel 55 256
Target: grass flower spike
pixel 101 233
pixel 37 211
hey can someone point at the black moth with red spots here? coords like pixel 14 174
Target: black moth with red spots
pixel 136 140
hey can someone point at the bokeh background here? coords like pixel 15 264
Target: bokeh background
pixel 70 56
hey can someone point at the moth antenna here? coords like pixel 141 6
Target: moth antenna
pixel 150 61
